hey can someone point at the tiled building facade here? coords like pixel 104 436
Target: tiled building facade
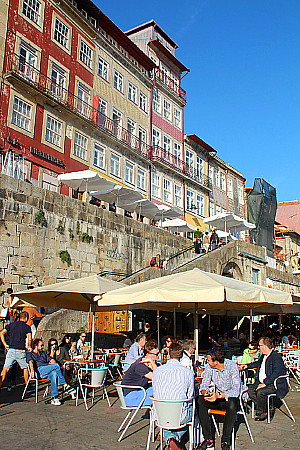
pixel 78 93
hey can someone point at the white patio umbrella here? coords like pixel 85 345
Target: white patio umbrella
pixel 86 180
pixel 120 195
pixel 228 221
pixel 167 212
pixel 75 294
pixel 178 225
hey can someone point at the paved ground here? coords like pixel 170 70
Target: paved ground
pixel 67 427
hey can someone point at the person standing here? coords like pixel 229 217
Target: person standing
pixel 214 240
pixel 32 314
pixel 269 367
pixel 16 351
pixel 206 241
pixel 224 374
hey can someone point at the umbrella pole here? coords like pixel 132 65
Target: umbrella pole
pixel 93 335
pixel 196 334
pixel 251 325
pixel 174 320
pixel 158 336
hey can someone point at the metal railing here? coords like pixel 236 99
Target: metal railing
pixel 171 83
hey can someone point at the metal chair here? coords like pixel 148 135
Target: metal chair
pixel 36 380
pixel 131 409
pixel 168 416
pixel 240 411
pixel 91 378
pixel 115 365
pixel 271 396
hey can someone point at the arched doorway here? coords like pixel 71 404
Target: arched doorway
pixel 232 270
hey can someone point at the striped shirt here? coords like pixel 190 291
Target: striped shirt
pixel 227 380
pixel 173 381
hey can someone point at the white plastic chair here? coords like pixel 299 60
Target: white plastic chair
pixel 271 396
pixel 115 365
pixel 168 416
pixel 240 411
pixel 36 379
pixel 131 409
pixel 91 378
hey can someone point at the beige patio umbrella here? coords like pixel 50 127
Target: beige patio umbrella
pixel 75 294
pixel 194 289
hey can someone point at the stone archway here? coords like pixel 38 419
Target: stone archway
pixel 232 270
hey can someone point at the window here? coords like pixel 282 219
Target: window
pixel 167 110
pixel 131 126
pixel 27 61
pixel 216 177
pixel 99 153
pixel 85 54
pixel 115 165
pixel 177 195
pixel 230 188
pixel 61 33
pixel 190 206
pixel 143 101
pixel 53 131
pixel 255 276
pixel 241 194
pixel 167 144
pixel 189 159
pixel 177 118
pixel 117 119
pixel 155 191
pixel 58 81
pixel 49 182
pixel 129 172
pixel 222 181
pixel 83 102
pixel 102 68
pixel 21 114
pixel 156 100
pixel 211 209
pixel 167 191
pixel 141 178
pixel 177 150
pixel 32 10
pixel 199 166
pixel 102 112
pixel 118 81
pixel 155 137
pixel 200 205
pixel 80 145
pixel 142 135
pixel 210 174
pixel 218 209
pixel 164 74
pixel 132 92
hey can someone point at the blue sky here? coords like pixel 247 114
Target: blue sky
pixel 243 91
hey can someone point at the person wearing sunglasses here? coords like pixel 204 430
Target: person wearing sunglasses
pixel 140 374
pixel 251 353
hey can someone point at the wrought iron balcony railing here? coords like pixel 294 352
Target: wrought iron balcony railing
pixel 171 83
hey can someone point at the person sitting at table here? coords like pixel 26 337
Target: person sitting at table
pixel 47 367
pixel 269 367
pixel 128 341
pixel 166 348
pixel 225 376
pixel 60 354
pixel 135 351
pixel 81 341
pixel 66 342
pixel 232 340
pixel 223 340
pixel 188 356
pixel 251 353
pixel 173 381
pixel 140 374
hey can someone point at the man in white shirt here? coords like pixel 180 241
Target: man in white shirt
pixel 189 348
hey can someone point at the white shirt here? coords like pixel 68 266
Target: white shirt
pixel 186 360
pixel 262 371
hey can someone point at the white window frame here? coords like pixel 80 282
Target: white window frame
pixel 32 9
pixel 178 195
pixel 189 159
pixel 222 181
pixel 80 145
pixel 99 155
pixel 132 92
pixel 131 126
pixel 156 136
pixel 143 101
pixel 28 59
pixel 115 165
pixel 216 177
pixel 241 194
pixel 85 54
pixel 118 81
pixel 167 190
pixel 167 144
pixel 155 184
pixel 84 99
pixel 230 187
pixel 58 85
pixel 62 33
pixel 200 204
pixel 103 68
pixel 156 101
pixel 177 118
pixel 21 113
pixel 141 179
pixel 199 166
pixel 129 172
pixel 53 131
pixel 167 110
pixel 211 209
pixel 190 196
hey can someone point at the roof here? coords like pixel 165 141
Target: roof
pixel 116 33
pixel 203 144
pixel 153 24
pixel 156 43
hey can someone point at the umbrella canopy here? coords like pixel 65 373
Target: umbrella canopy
pixel 71 294
pixel 120 195
pixel 167 212
pixel 186 289
pixel 228 221
pixel 179 225
pixel 86 180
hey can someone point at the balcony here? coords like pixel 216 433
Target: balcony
pixel 17 69
pixel 171 83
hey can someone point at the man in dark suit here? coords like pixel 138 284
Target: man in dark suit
pixel 269 367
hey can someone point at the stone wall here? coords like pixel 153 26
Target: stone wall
pixel 29 252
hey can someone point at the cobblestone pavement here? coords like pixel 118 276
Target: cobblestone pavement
pixel 67 427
